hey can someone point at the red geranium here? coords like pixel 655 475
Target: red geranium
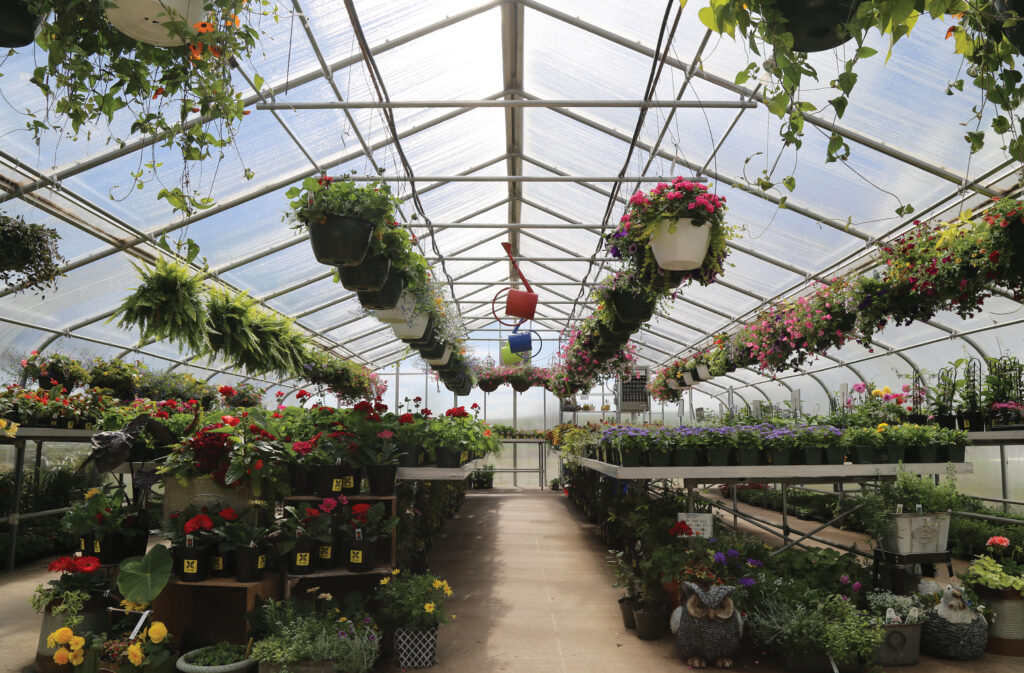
pixel 359 512
pixel 312 513
pixel 405 419
pixel 231 420
pixel 198 522
pixel 228 514
pixel 363 406
pixel 227 391
pixel 680 528
pixel 457 412
pixel 303 448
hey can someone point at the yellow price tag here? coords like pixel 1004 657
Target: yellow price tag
pixel 464 456
pixel 355 556
pixel 191 566
pixel 218 563
pixel 95 546
pixel 302 559
pixel 81 543
pixel 88 426
pixel 326 551
pixel 261 561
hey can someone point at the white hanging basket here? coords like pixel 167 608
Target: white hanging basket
pixel 688 379
pixel 144 20
pixel 417 648
pixel 441 361
pixel 683 249
pixel 703 373
pixel 403 310
pixel 673 384
pixel 414 328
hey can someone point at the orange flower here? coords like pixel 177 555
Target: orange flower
pixel 232 20
pixel 158 92
pixel 950 31
pixel 214 51
pixel 197 51
pixel 204 27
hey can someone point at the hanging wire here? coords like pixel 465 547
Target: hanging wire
pixel 389 118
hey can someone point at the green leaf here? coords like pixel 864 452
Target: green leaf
pixel 234 473
pixel 142 578
pixel 866 52
pixel 257 82
pixel 789 182
pixel 839 104
pixel 778 103
pixel 905 209
pixel 976 139
pixel 1000 124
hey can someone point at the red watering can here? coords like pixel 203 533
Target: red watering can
pixel 518 303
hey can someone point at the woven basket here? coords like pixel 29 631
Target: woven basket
pixel 1006 628
pixel 417 648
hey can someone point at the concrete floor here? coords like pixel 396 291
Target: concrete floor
pixel 532 594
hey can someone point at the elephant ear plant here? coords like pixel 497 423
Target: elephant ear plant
pixel 28 255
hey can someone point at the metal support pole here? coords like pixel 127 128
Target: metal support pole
pixel 1002 477
pixel 38 471
pixel 396 387
pixel 689 499
pixel 735 507
pixel 515 445
pixel 785 519
pixel 541 467
pixel 19 477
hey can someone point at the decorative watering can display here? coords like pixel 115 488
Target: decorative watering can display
pixel 518 303
pixel 521 343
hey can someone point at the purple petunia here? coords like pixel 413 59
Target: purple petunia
pixel 754 563
pixel 747 581
pixel 719 557
pixel 732 553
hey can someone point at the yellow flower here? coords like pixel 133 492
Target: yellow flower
pixel 447 591
pixel 876 393
pixel 343 620
pixel 157 632
pixel 77 657
pixel 428 607
pixel 453 617
pixel 61 656
pixel 62 636
pixel 882 427
pixel 438 584
pixel 76 643
pixel 91 492
pixel 133 607
pixel 325 596
pixel 395 571
pixel 385 580
pixel 135 655
pixel 7 428
pixel 887 390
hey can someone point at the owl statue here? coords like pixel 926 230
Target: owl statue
pixel 707 626
pixel 952 630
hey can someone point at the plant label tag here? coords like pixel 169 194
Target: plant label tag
pixel 899 508
pixel 464 456
pixel 359 534
pixel 191 566
pixel 326 551
pixel 355 556
pixel 138 625
pixel 81 544
pixel 278 510
pixel 919 510
pixel 302 559
pixel 218 563
pixel 95 546
pixel 88 426
pixel 701 524
pixel 261 561
pixel 190 542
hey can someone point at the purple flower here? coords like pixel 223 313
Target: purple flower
pixel 632 248
pixel 845 579
pixel 342 634
pixel 712 540
pixel 856 587
pixel 367 620
pixel 754 563
pixel 719 557
pixel 747 581
pixel 372 637
pixel 614 251
pixel 732 553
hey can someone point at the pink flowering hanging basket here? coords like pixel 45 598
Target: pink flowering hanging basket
pixel 682 249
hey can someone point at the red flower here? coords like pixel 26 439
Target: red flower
pixel 312 513
pixel 405 419
pixel 363 406
pixel 279 393
pixel 680 528
pixel 228 514
pixel 426 413
pixel 475 406
pixel 227 391
pixel 161 414
pixel 258 465
pixel 64 564
pixel 277 415
pixel 198 522
pixel 86 564
pixel 998 541
pixel 100 517
pixel 994 256
pixel 231 420
pixel 385 434
pixel 359 512
pixel 379 407
pixel 303 394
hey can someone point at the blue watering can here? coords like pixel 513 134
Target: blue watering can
pixel 521 343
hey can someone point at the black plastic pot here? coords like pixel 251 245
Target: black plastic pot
pixel 630 308
pixel 335 480
pixel 386 297
pixel 371 275
pixel 300 558
pixel 626 606
pixel 300 478
pixel 326 556
pixel 250 563
pixel 381 478
pixel 432 351
pixel 411 457
pixel 18 29
pixel 650 622
pixel 922 454
pixel 340 241
pixel 191 564
pixel 222 562
pixel 815 24
pixel 361 556
pixel 448 458
pixel 430 337
pixel 115 547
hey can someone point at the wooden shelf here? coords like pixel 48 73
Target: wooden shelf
pixel 338 572
pixel 772 473
pixel 308 498
pixel 223 582
pixel 213 609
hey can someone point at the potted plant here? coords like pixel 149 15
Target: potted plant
pixel 627 580
pixel 410 430
pixel 302 531
pixel 380 455
pixel 222 657
pixel 108 525
pixel 414 606
pixel 483 478
pixel 649 608
pixel 863 445
pixel 998 577
pixel 71 650
pixel 901 618
pixel 169 303
pixel 247 544
pixel 117 376
pixel 918 511
pixel 29 259
pixel 317 641
pixel 362 526
pixel 250 338
pixel 75 600
pixel 54 370
pixel 341 217
pixel 190 532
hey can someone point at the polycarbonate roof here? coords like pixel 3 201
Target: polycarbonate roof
pixel 905 133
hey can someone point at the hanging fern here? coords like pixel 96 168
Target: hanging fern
pixel 282 348
pixel 168 304
pixel 231 326
pixel 28 255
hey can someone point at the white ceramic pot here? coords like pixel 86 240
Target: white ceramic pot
pixel 403 310
pixel 144 20
pixel 682 249
pixel 441 361
pixel 414 328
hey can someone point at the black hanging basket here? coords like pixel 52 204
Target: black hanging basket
pixel 816 25
pixel 464 388
pixel 371 275
pixel 339 240
pixel 631 309
pixel 488 385
pixel 19 25
pixel 386 297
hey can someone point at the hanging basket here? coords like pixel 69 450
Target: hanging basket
pixel 434 351
pixel 816 24
pixel 19 27
pixel 631 309
pixel 441 360
pixel 371 275
pixel 487 385
pixel 402 311
pixel 386 297
pixel 414 328
pixel 520 386
pixel 682 249
pixel 144 20
pixel 417 648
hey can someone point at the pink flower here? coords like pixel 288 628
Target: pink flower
pixel 860 387
pixel 856 587
pixel 906 387
pixel 998 541
pixel 385 434
pixel 328 505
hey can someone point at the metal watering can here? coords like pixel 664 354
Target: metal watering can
pixel 521 343
pixel 518 303
pixel 508 357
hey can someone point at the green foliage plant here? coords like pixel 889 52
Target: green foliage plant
pixel 169 303
pixel 319 197
pixel 29 259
